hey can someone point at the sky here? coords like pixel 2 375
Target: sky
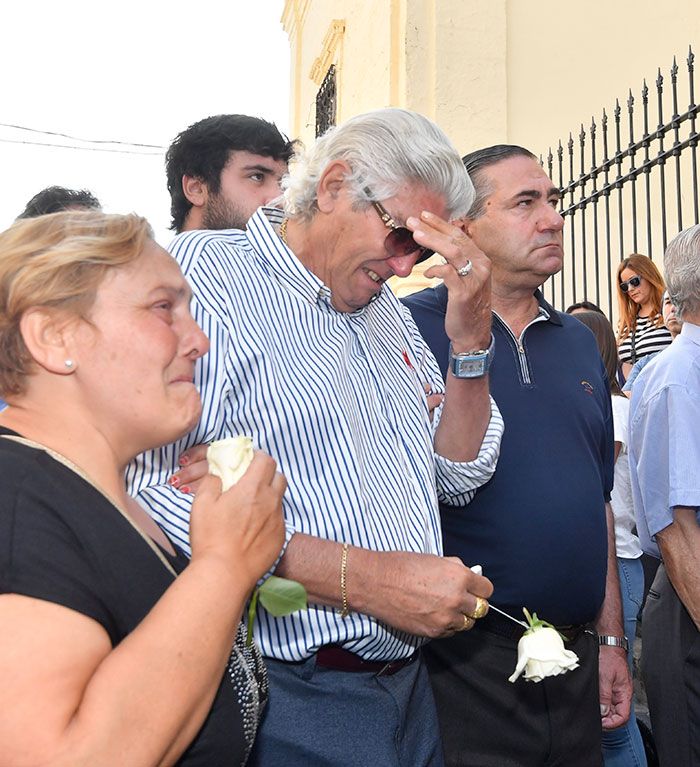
pixel 132 72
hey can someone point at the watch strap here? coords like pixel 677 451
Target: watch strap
pixel 472 364
pixel 613 641
pixel 478 352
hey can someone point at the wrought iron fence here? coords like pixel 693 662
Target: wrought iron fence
pixel 626 188
pixel 326 103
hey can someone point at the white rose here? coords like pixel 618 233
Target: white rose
pixel 541 653
pixel 228 459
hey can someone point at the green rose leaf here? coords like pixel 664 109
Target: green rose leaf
pixel 280 596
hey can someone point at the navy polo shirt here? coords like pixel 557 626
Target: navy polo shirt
pixel 538 526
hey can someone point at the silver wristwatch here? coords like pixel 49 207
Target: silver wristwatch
pixel 610 641
pixel 472 364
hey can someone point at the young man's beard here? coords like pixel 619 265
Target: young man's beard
pixel 220 213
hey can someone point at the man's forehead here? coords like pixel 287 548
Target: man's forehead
pixel 242 158
pixel 514 174
pixel 412 198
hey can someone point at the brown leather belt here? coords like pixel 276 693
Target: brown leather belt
pixel 335 657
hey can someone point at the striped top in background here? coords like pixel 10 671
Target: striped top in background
pixel 647 340
pixel 336 398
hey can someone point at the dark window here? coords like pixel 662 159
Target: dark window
pixel 326 103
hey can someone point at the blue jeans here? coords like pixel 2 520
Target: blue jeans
pixel 623 747
pixel 317 717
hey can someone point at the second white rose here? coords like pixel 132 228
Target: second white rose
pixel 229 458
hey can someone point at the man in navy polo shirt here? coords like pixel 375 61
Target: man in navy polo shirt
pixel 539 526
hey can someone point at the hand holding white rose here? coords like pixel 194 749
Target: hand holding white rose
pixel 229 459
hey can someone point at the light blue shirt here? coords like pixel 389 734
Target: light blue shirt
pixel 637 368
pixel 336 398
pixel 665 436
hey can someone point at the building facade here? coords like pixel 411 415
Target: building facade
pixel 507 71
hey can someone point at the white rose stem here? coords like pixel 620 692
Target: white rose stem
pixel 477 569
pixel 506 615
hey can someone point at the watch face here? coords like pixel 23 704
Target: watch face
pixel 470 368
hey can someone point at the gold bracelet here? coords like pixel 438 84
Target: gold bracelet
pixel 343 581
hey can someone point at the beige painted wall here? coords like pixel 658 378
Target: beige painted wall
pixel 444 58
pixel 566 61
pixel 487 70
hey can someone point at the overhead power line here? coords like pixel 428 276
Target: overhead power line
pixel 80 148
pixel 77 138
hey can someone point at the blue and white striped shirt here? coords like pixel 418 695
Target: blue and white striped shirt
pixel 336 398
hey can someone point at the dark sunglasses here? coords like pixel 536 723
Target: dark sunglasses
pixel 633 282
pixel 399 241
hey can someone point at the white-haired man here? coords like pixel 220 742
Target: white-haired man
pixel 317 361
pixel 664 460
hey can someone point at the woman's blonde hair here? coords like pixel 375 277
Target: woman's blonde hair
pixel 57 261
pixel 646 268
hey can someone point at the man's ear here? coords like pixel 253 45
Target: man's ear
pixel 465 225
pixel 195 190
pixel 330 184
pixel 49 338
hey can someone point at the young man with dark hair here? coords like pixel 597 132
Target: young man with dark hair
pixel 222 169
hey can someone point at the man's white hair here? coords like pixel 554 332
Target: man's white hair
pixel 682 269
pixel 385 149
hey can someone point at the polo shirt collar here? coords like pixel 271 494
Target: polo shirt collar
pixel 546 309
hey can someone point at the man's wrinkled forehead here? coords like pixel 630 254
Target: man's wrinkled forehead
pixel 520 178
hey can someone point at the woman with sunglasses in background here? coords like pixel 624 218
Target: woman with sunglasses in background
pixel 641 330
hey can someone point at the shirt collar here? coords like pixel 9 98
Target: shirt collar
pixel 263 234
pixel 546 309
pixel 691 332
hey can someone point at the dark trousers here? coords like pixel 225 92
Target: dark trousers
pixel 487 721
pixel 318 717
pixel 671 672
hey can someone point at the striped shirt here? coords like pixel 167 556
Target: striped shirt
pixel 336 398
pixel 647 339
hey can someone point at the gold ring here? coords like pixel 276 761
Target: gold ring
pixel 468 622
pixel 482 607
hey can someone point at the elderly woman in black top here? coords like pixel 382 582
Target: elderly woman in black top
pixel 114 650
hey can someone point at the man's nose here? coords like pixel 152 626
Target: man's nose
pixel 551 219
pixel 402 266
